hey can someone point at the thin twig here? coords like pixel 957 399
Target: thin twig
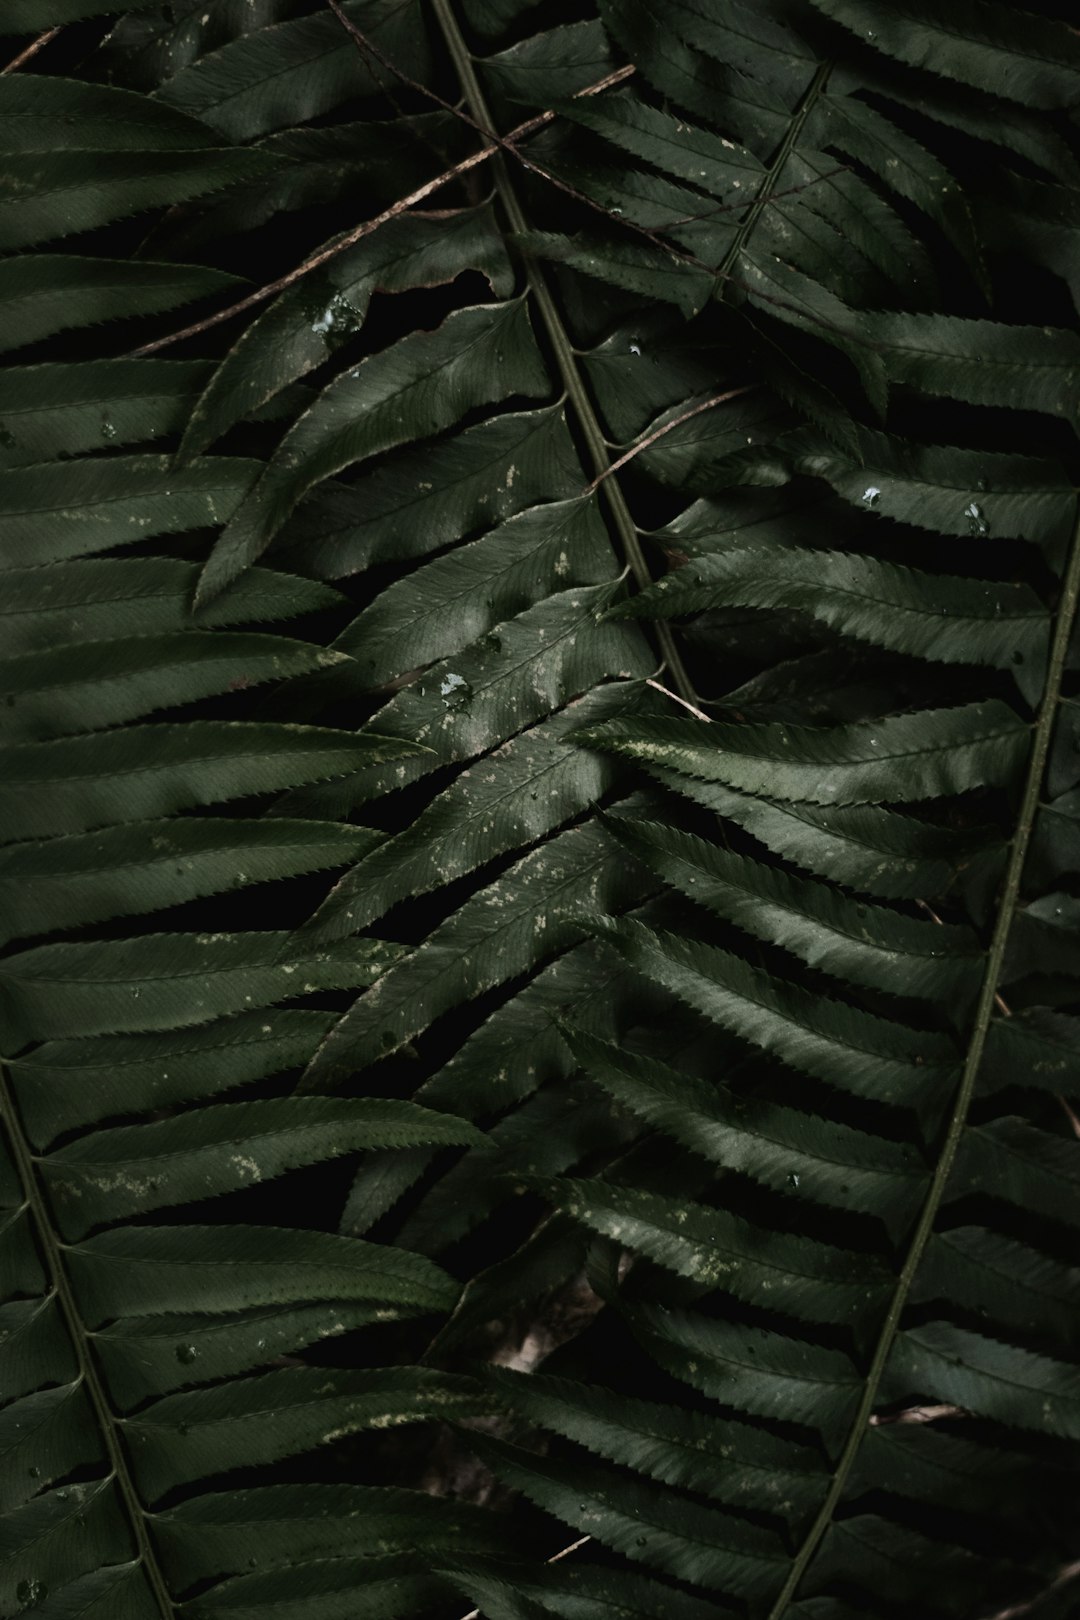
pixel 999 1002
pixel 1062 1578
pixel 474 1614
pixel 507 143
pixel 675 698
pixel 918 1414
pixel 32 49
pixel 403 204
pixel 773 197
pixel 651 438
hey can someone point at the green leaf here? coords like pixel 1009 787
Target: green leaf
pixel 39 115
pixel 278 1526
pixel 452 601
pixel 1024 1291
pixel 65 1084
pixel 541 906
pixel 904 165
pixel 99 683
pixel 674 1534
pixel 291 73
pixel 166 981
pixel 899 757
pixel 79 507
pixel 88 600
pixel 993 47
pixel 636 269
pixel 687 1087
pixel 524 669
pixel 1014 1162
pixel 23 16
pixel 199 1432
pixel 680 1448
pixel 988 1377
pixel 146 1357
pixel 526 788
pixel 161 1269
pixel 133 1169
pixel 426 382
pixel 982 362
pixel 874 850
pixel 52 409
pixel 63 194
pixel 866 945
pixel 856 1051
pixel 415 503
pixel 752 1370
pixel 45 293
pixel 799 1154
pixel 124 871
pixel 805 1279
pixel 308 322
pixel 137 774
pixel 939 617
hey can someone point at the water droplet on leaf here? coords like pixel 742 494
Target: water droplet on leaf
pixel 338 321
pixel 455 691
pixel 977 524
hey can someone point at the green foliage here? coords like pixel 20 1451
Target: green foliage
pixel 539 770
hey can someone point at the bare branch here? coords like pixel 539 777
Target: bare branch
pixel 651 438
pixel 403 204
pixel 1063 1577
pixel 675 698
pixel 918 1414
pixel 474 1614
pixel 32 49
pixel 507 143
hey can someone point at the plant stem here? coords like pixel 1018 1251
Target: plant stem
pixel 565 357
pixel 51 1249
pixel 772 175
pixel 983 1014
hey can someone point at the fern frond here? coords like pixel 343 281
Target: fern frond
pixel 538 795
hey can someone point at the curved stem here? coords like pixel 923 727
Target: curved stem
pixel 564 352
pixel 51 1250
pixel 983 1014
